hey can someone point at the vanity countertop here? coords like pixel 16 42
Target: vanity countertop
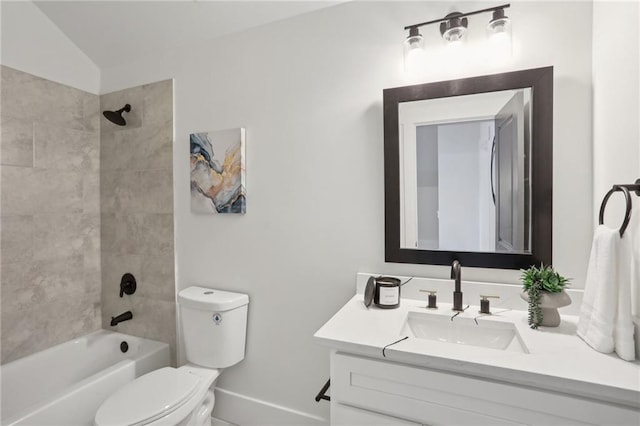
pixel 558 360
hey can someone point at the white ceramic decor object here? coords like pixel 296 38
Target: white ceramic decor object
pixel 549 303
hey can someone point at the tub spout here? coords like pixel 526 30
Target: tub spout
pixel 120 318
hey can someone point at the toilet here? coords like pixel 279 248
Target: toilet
pixel 214 326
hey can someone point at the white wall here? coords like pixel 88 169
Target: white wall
pixel 309 92
pixel 616 115
pixel 616 109
pixel 33 44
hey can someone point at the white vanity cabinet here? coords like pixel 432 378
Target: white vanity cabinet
pixel 554 379
pixel 367 391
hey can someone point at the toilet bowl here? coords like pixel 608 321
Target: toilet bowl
pixel 214 332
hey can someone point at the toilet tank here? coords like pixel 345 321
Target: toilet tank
pixel 214 326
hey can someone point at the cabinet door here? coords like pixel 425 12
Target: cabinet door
pixel 439 398
pixel 402 392
pixel 345 415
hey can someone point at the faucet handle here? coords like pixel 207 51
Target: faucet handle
pixel 484 303
pixel 127 284
pixel 432 299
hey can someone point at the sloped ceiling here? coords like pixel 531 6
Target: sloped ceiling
pixel 113 32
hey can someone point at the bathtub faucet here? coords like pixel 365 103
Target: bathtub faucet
pixel 120 318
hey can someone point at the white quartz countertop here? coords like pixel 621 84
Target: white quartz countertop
pixel 558 360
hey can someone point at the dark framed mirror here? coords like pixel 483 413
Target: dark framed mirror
pixel 468 167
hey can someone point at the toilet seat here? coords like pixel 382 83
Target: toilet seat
pixel 150 397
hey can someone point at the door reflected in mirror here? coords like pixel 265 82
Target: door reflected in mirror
pixel 468 170
pixel 465 166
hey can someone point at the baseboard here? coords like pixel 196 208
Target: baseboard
pixel 242 410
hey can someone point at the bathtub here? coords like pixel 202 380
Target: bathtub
pixel 65 384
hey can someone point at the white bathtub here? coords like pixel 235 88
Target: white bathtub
pixel 64 385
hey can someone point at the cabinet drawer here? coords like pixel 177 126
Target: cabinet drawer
pixel 435 397
pixel 344 415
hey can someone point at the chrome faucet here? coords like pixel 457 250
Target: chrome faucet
pixel 456 274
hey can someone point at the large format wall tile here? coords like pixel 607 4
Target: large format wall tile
pixel 50 221
pixel 152 186
pixel 92 278
pixel 136 193
pixel 66 149
pixel 26 96
pixel 139 234
pixel 91 112
pixel 91 193
pixel 122 233
pixel 160 270
pixel 158 103
pixel 119 191
pixel 83 202
pixel 65 235
pixel 28 190
pixel 140 148
pixel 16 141
pixel 16 238
pixel 50 295
pixel 38 283
pixel 157 234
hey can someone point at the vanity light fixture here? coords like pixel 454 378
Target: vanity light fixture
pixel 453 28
pixel 413 48
pixel 499 32
pixel 500 23
pixel 414 40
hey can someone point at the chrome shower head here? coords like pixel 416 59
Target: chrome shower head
pixel 116 116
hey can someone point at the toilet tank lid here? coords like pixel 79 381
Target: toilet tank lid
pixel 209 299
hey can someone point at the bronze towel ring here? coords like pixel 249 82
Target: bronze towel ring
pixel 627 215
pixel 624 189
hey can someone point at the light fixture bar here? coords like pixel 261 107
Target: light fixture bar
pixel 461 15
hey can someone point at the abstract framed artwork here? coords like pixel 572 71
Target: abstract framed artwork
pixel 218 171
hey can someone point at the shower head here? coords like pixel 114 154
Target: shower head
pixel 116 116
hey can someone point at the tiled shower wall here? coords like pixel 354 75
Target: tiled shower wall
pixel 49 213
pixel 136 199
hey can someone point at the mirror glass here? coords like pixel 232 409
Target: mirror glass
pixel 468 170
pixel 465 172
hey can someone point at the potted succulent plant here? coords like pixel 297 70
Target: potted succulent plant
pixel 543 289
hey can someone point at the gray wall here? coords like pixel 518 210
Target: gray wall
pixel 136 203
pixel 61 190
pixel 50 219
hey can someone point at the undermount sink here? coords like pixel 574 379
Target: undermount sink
pixel 464 331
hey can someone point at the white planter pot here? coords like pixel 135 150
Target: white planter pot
pixel 550 302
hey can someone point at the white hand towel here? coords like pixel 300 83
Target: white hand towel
pixel 623 334
pixel 634 235
pixel 597 316
pixel 633 232
pixel 605 320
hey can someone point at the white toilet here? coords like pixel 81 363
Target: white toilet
pixel 214 326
